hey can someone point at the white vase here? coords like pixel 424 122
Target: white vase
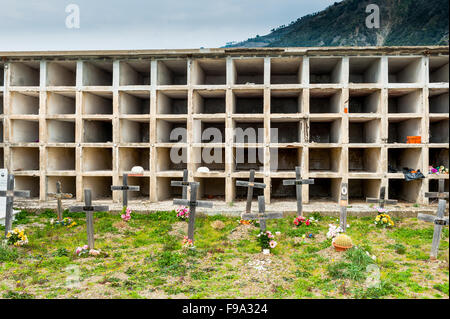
pixel 266 251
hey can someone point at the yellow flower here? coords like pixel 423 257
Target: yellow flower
pixel 384 220
pixel 377 219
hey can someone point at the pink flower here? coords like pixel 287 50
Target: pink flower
pixel 307 222
pixel 272 244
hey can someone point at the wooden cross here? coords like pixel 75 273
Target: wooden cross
pixel 298 182
pixel 184 183
pixel 125 188
pixel 59 195
pixel 262 216
pixel 250 185
pixel 89 210
pixel 343 203
pixel 382 200
pixel 438 221
pixel 193 203
pixel 10 193
pixel 440 194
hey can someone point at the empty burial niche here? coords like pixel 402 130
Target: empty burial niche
pixel 24 103
pixel 364 101
pixel 171 131
pixel 324 101
pixel 100 187
pixel 248 158
pixel 211 188
pixel 209 101
pixel 248 71
pixel 97 103
pixel 29 183
pixel 360 189
pixel 364 131
pixel 404 101
pixel 285 132
pixel 134 102
pixel 365 70
pixel 25 74
pixel 438 157
pixel 61 73
pixel 325 159
pixel 97 73
pixel 171 158
pixel 2 157
pixel 61 159
pixel 285 101
pixel 241 192
pixel 399 130
pixel 438 69
pixel 172 72
pixel 248 102
pixel 209 72
pixel 367 160
pixel 24 158
pixel 171 102
pixel 134 131
pixel 24 131
pixel 285 159
pixel 1 104
pixel 144 187
pixel 438 131
pixel 280 191
pixel 211 157
pixel 97 131
pixel 97 159
pixel 399 158
pixel 438 101
pixel 61 103
pixel 68 185
pixel 404 69
pixel 1 131
pixel 433 186
pixel 61 131
pixel 325 189
pixel 209 131
pixel 134 73
pixel 165 191
pixel 248 131
pixel 2 75
pixel 404 191
pixel 325 70
pixel 286 70
pixel 133 156
pixel 325 131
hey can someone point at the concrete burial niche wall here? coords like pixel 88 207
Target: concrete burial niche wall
pixel 30 183
pixel 342 114
pixel 68 184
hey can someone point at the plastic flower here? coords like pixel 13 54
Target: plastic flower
pixel 272 244
pixel 127 216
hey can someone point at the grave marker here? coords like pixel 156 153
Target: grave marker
pixel 125 188
pixel 298 182
pixel 343 203
pixel 10 193
pixel 382 200
pixel 59 195
pixel 184 183
pixel 250 185
pixel 262 216
pixel 440 194
pixel 193 203
pixel 89 209
pixel 439 221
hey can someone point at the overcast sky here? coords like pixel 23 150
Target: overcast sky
pixel 140 24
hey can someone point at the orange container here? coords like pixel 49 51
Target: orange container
pixel 413 139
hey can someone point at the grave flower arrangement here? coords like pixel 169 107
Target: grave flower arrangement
pixel 17 237
pixel 384 220
pixel 267 240
pixel 300 220
pixel 187 243
pixel 333 231
pixel 67 222
pixel 126 214
pixel 245 222
pixel 183 212
pixel 84 251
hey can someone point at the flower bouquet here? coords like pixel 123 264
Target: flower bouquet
pixel 17 237
pixel 300 220
pixel 66 221
pixel 183 212
pixel 187 243
pixel 384 220
pixel 267 241
pixel 84 251
pixel 126 214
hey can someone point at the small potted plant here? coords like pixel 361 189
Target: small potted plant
pixel 267 241
pixel 342 242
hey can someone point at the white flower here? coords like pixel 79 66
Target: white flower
pixel 272 244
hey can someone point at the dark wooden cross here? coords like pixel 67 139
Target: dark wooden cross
pixel 89 209
pixel 125 188
pixel 439 221
pixel 250 185
pixel 343 203
pixel 59 195
pixel 382 200
pixel 184 183
pixel 298 182
pixel 10 193
pixel 440 194
pixel 193 203
pixel 262 215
